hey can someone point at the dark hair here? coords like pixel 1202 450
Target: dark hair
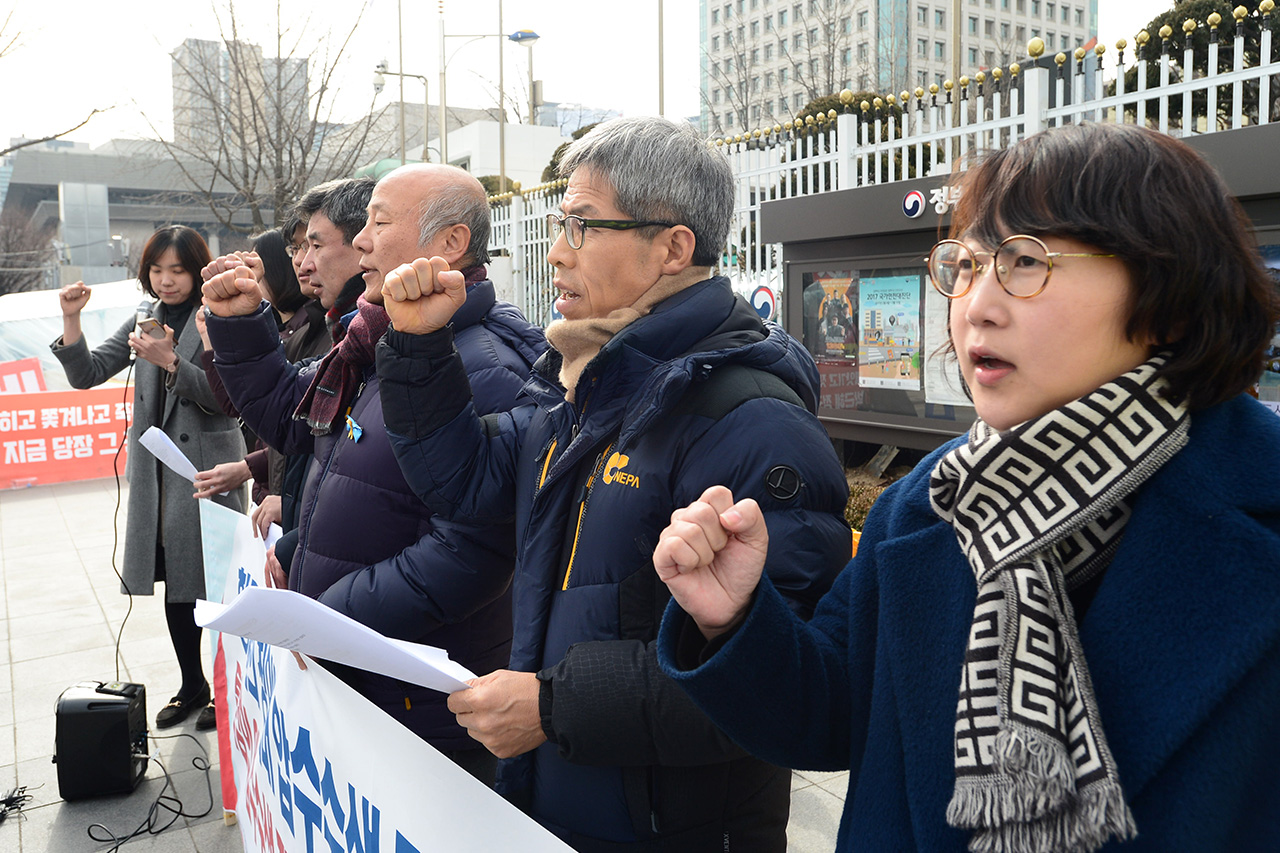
pixel 344 202
pixel 292 222
pixel 1199 287
pixel 281 280
pixel 193 254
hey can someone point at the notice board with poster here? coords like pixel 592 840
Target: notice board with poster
pixel 879 337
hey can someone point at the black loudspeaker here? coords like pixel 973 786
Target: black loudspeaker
pixel 100 745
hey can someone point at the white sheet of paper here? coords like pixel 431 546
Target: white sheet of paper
pixel 163 448
pixel 281 617
pixel 274 531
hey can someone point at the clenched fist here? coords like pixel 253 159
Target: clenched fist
pixel 226 263
pixel 73 298
pixel 233 293
pixel 423 296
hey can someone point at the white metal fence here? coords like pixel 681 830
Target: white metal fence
pixel 914 134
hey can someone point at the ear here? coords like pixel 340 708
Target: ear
pixel 455 242
pixel 675 247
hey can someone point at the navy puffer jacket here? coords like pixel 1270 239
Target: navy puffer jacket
pixel 699 392
pixel 367 546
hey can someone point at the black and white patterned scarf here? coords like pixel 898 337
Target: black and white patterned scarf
pixel 1039 510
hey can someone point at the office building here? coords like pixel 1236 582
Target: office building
pixel 763 60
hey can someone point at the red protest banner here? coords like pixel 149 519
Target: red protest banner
pixel 59 436
pixel 23 375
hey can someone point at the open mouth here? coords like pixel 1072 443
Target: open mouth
pixel 988 362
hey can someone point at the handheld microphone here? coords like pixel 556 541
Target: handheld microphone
pixel 142 312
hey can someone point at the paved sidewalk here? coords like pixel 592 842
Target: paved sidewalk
pixel 61 611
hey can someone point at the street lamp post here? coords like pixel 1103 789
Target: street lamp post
pixel 529 38
pixel 379 83
pixel 522 36
pixel 661 106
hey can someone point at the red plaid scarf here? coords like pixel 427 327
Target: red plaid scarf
pixel 338 377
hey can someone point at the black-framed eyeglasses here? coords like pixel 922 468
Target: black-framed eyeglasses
pixel 575 227
pixel 1022 263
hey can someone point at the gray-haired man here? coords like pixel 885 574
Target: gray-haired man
pixel 661 383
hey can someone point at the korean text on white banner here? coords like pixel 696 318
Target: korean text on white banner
pixel 319 768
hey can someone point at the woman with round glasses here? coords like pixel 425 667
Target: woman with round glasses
pixel 1062 631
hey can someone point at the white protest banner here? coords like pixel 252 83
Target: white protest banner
pixel 319 768
pixel 219 530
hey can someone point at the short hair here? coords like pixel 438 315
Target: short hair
pixel 292 221
pixel 193 254
pixel 661 170
pixel 344 202
pixel 281 280
pixel 1198 285
pixel 460 202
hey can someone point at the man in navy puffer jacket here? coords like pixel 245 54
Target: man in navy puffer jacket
pixel 366 545
pixel 659 382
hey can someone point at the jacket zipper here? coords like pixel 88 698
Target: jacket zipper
pixel 301 551
pixel 582 511
pixel 548 453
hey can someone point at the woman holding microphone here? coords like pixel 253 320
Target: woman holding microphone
pixel 162 532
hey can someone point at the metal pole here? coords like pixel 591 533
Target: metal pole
pixel 955 55
pixel 400 50
pixel 532 100
pixel 442 129
pixel 661 109
pixel 502 111
pixel 425 113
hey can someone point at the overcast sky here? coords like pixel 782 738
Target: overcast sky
pixel 77 55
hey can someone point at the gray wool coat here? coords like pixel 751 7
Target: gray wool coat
pixel 159 498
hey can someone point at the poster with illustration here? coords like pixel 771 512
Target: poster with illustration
pixel 828 321
pixel 889 351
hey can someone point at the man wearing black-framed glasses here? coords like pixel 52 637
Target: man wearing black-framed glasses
pixel 660 383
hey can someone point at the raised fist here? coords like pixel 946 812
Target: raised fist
pixel 423 296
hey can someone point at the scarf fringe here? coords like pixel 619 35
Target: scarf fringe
pixel 319 427
pixel 1088 822
pixel 1042 781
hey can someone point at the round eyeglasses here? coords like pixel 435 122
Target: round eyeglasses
pixel 575 227
pixel 1022 264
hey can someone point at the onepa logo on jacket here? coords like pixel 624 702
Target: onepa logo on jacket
pixel 613 472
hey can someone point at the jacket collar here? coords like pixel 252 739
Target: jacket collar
pixel 1185 610
pixel 643 368
pixel 480 298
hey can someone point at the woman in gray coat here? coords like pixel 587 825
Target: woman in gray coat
pixel 162 533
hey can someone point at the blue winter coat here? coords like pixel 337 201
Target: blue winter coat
pixel 591 486
pixel 1182 640
pixel 367 546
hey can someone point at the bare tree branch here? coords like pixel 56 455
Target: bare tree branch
pixel 26 252
pixel 8 43
pixel 252 131
pixel 26 143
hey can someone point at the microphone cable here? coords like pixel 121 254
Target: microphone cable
pixel 115 518
pixel 140 313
